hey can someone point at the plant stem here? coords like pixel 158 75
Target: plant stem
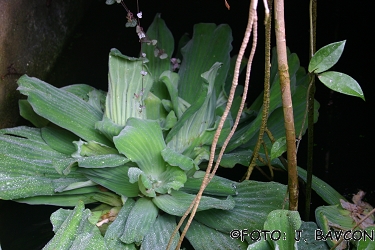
pixel 287 104
pixel 310 103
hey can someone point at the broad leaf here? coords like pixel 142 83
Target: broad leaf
pixel 140 220
pixel 212 239
pixel 326 57
pixel 127 88
pixel 161 233
pixel 62 108
pixel 286 223
pixel 115 179
pixel 255 200
pixel 141 141
pixel 177 202
pixel 199 54
pixel 341 83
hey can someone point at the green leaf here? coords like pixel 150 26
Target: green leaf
pixel 91 148
pixel 102 161
pixel 306 236
pixel 325 191
pixel 141 141
pixel 27 112
pixel 27 165
pixel 278 148
pixel 74 231
pixel 170 79
pixel 177 202
pixel 255 200
pixel 125 96
pixel 286 222
pixel 212 239
pixel 62 108
pixel 218 186
pixel 326 57
pixel 140 220
pixel 115 179
pixel 341 83
pixel 199 54
pixel 366 243
pixel 190 130
pixel 161 233
pixel 328 216
pixel 59 139
pixel 116 228
pixel 159 31
pixel 177 159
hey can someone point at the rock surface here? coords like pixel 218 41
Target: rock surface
pixel 32 35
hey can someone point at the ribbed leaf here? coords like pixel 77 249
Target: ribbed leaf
pixel 74 231
pixel 205 238
pixel 160 233
pixel 177 202
pixel 59 139
pixel 140 220
pixel 27 112
pixel 116 229
pixel 159 31
pixel 125 96
pixel 115 179
pixel 170 79
pixel 326 216
pixel 27 165
pixel 255 200
pixel 307 238
pixel 218 186
pixel 189 131
pixel 62 108
pixel 286 222
pixel 102 161
pixel 177 159
pixel 199 54
pixel 141 141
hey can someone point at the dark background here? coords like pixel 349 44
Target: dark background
pixel 343 136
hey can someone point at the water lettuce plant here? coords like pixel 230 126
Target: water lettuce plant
pixel 138 151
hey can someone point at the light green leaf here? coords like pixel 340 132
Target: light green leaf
pixel 188 133
pixel 161 233
pixel 177 159
pixel 218 186
pixel 326 216
pixel 286 223
pixel 116 228
pixel 199 54
pixel 140 220
pixel 66 225
pixel 366 243
pixel 27 112
pixel 177 202
pixel 59 139
pixel 91 148
pixel 341 83
pixel 170 79
pixel 306 237
pixel 326 57
pixel 125 96
pixel 62 108
pixel 102 161
pixel 27 165
pixel 141 141
pixel 212 239
pixel 115 179
pixel 255 200
pixel 278 148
